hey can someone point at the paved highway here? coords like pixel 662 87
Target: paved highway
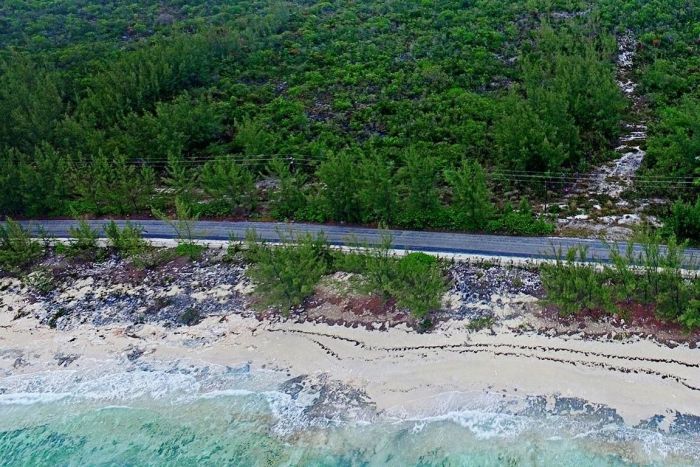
pixel 438 242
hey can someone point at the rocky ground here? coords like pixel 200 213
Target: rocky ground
pixel 63 293
pixel 602 203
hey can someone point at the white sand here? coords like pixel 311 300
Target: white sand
pixel 400 370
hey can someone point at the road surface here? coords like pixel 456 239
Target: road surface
pixel 435 242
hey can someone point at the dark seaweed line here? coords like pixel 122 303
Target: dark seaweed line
pixel 602 365
pixel 586 353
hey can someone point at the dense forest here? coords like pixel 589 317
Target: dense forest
pixel 442 114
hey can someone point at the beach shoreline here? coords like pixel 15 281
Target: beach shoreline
pixel 110 316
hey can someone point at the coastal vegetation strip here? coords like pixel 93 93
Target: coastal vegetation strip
pixel 650 283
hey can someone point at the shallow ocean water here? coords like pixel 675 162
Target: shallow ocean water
pixel 204 415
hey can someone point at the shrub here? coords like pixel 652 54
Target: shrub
pixel 184 223
pixel 650 275
pixel 17 248
pixel 684 221
pixel 128 240
pixel 190 250
pixel 380 269
pixel 285 275
pixel 521 222
pixel 41 280
pixel 419 283
pixel 83 241
pixel 573 284
pixel 229 183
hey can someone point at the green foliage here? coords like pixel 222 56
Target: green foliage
pixel 573 284
pixel 128 240
pixel 684 220
pixel 44 182
pixel 229 184
pixel 11 201
pixel 285 274
pixel 180 179
pixel 288 197
pixel 650 275
pixel 419 284
pixel 190 317
pixel 183 224
pixel 18 249
pixel 83 241
pixel 30 103
pixel 416 280
pixel 520 222
pixel 471 205
pixel 192 251
pixel 41 280
pixel 419 190
pixel 379 269
pixel 119 115
pixel 137 80
pixel 111 185
pixel 484 322
pixel 674 147
pixel 338 174
pixel 377 190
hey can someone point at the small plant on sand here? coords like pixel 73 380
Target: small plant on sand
pixel 573 284
pixel 128 240
pixel 17 247
pixel 234 249
pixel 483 322
pixel 190 317
pixel 83 242
pixel 41 280
pixel 184 227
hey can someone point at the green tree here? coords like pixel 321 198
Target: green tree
pixel 17 248
pixel 44 180
pixel 228 183
pixel 11 199
pixel 288 197
pixel 419 189
pixel 419 284
pixel 180 178
pixel 471 198
pixel 377 190
pixel 339 177
pixel 30 103
pixel 128 240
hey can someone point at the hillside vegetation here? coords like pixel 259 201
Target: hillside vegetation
pixel 420 114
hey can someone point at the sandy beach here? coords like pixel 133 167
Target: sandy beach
pixel 402 372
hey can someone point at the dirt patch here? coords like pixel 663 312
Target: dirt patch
pixel 336 302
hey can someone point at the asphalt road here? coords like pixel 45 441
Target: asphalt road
pixel 438 242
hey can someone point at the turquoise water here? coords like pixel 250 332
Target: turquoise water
pixel 232 417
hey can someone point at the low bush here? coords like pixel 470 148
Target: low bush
pixel 18 249
pixel 651 275
pixel 684 221
pixel 191 251
pixel 286 274
pixel 520 222
pixel 41 280
pixel 127 241
pixel 83 242
pixel 418 284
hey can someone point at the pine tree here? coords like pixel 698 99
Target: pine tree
pixel 471 198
